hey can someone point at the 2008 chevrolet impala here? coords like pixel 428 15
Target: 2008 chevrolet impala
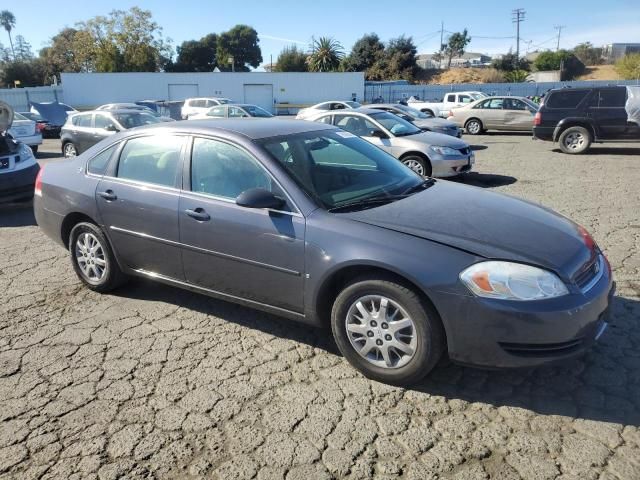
pixel 310 222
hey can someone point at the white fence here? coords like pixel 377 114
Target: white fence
pixel 20 98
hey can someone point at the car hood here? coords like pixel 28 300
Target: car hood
pixel 433 123
pixel 6 116
pixel 433 138
pixel 487 224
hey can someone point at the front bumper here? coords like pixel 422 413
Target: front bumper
pixel 497 334
pixel 18 184
pixel 451 166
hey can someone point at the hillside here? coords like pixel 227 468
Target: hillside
pixel 600 72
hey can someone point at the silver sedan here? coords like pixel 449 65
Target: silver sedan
pixel 423 120
pixel 496 113
pixel 426 153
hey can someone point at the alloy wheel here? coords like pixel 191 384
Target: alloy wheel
pixel 90 257
pixel 70 150
pixel 414 165
pixel 574 141
pixel 381 331
pixel 473 127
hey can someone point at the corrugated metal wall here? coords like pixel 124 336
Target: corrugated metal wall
pixel 19 98
pixel 394 93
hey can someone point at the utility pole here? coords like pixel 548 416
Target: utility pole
pixel 517 18
pixel 441 40
pixel 559 28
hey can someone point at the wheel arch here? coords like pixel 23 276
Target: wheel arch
pixel 574 122
pixel 70 221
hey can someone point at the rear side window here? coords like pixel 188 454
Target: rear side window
pixel 81 120
pixel 98 164
pixel 153 159
pixel 613 97
pixel 566 98
pixel 216 112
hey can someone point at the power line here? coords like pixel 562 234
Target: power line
pixel 559 28
pixel 517 18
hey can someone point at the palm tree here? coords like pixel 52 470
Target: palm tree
pixel 325 56
pixel 8 21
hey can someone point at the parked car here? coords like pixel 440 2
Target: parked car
pixel 134 106
pixel 578 117
pixel 309 222
pixel 25 131
pixel 42 125
pixel 306 113
pixel 426 153
pixel 495 113
pixel 55 113
pixel 240 110
pixel 18 166
pixel 424 121
pixel 194 106
pixel 83 130
pixel 450 100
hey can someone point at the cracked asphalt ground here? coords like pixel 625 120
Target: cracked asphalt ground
pixel 155 382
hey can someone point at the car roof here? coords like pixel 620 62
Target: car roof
pixel 253 128
pixel 381 105
pixel 353 111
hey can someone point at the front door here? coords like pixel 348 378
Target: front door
pixel 138 203
pixel 517 115
pixel 254 254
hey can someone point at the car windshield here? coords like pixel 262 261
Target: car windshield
pixel 396 125
pixel 336 168
pixel 353 104
pixel 256 111
pixel 414 112
pixel 135 119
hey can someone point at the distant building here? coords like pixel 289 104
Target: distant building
pixel 468 59
pixel 615 51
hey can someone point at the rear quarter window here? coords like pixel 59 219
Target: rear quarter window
pixel 98 164
pixel 566 98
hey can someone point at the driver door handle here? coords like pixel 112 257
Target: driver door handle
pixel 198 213
pixel 108 195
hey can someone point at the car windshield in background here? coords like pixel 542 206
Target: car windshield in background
pixel 414 113
pixel 337 168
pixel 135 119
pixel 256 111
pixel 17 116
pixel 223 101
pixel 353 104
pixel 477 96
pixel 396 125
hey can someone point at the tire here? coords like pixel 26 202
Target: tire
pixel 69 150
pixel 102 276
pixel 424 338
pixel 418 164
pixel 429 111
pixel 473 126
pixel 34 149
pixel 575 140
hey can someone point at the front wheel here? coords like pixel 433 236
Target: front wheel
pixel 387 331
pixel 418 164
pixel 473 127
pixel 575 140
pixel 69 150
pixel 92 258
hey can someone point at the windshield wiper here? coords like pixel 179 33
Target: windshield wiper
pixel 378 200
pixel 421 186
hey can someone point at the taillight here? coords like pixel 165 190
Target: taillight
pixel 40 127
pixel 38 186
pixel 537 119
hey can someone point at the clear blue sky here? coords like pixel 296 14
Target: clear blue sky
pixel 287 21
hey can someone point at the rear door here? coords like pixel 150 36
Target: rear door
pixel 610 114
pixel 138 202
pixel 82 131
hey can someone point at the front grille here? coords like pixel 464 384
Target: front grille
pixel 588 273
pixel 542 349
pixel 465 151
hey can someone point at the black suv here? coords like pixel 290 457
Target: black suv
pixel 577 117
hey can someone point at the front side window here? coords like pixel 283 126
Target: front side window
pixel 236 112
pixel 216 112
pixel 98 164
pixel 256 111
pixel 102 121
pixel 223 170
pixel 514 104
pixel 359 126
pixel 153 159
pixel 396 125
pixel 137 119
pixel 465 99
pixel 326 119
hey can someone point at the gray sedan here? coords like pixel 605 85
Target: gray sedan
pixel 426 153
pixel 310 222
pixel 424 121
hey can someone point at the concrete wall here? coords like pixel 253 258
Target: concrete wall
pixel 93 89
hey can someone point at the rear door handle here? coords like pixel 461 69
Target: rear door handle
pixel 108 195
pixel 198 213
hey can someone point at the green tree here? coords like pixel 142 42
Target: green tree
pixel 8 22
pixel 510 62
pixel 30 73
pixel 400 58
pixel 22 49
pixel 364 54
pixel 516 76
pixel 128 41
pixel 571 65
pixel 241 43
pixel 456 45
pixel 326 55
pixel 588 54
pixel 70 50
pixel 291 59
pixel 197 55
pixel 628 67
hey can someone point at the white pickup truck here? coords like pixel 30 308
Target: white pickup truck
pixel 450 100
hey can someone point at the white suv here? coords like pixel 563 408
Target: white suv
pixel 194 106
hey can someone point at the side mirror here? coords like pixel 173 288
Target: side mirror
pixel 111 128
pixel 259 198
pixel 379 134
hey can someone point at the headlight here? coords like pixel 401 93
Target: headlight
pixel 512 281
pixel 445 150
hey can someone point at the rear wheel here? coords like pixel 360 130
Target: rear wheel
pixel 418 164
pixel 92 258
pixel 387 331
pixel 426 110
pixel 69 150
pixel 575 140
pixel 473 126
